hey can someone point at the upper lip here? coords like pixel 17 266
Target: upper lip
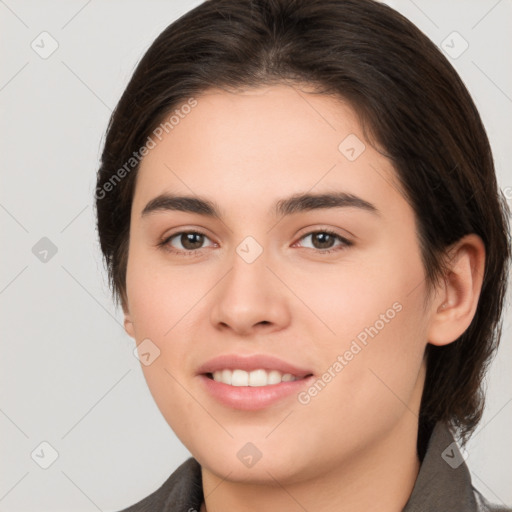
pixel 250 363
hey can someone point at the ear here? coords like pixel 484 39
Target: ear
pixel 128 323
pixel 457 299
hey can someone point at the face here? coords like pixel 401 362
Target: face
pixel 311 308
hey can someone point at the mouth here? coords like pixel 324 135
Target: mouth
pixel 255 378
pixel 252 382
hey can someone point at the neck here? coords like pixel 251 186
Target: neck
pixel 382 474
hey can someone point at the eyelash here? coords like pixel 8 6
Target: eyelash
pixel 164 244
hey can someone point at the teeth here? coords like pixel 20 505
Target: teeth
pixel 225 376
pixel 256 378
pixel 239 378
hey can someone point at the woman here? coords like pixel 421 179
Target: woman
pixel 299 213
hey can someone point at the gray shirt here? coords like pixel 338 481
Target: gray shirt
pixel 443 484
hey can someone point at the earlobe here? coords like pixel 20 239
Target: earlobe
pixel 457 299
pixel 128 323
pixel 128 326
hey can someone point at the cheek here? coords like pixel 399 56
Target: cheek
pixel 377 331
pixel 370 376
pixel 164 304
pixel 162 298
pixel 360 291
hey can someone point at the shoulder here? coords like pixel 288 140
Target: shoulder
pixel 181 492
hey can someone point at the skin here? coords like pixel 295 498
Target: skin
pixel 354 444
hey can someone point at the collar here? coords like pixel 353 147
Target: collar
pixel 444 481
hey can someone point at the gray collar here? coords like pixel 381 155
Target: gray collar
pixel 444 481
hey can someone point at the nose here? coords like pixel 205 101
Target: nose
pixel 250 299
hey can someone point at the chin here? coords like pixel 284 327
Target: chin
pixel 258 462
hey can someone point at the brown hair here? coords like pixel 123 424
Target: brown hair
pixel 412 104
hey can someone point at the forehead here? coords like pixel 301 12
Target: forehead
pixel 254 144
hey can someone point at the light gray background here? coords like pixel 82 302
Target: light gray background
pixel 68 373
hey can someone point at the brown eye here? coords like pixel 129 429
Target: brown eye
pixel 325 240
pixel 191 241
pixel 322 240
pixel 185 242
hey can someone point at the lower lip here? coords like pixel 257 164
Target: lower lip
pixel 252 398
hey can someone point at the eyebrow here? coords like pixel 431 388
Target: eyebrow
pixel 287 206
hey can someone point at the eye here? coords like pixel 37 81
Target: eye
pixel 324 241
pixel 185 242
pixel 192 242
